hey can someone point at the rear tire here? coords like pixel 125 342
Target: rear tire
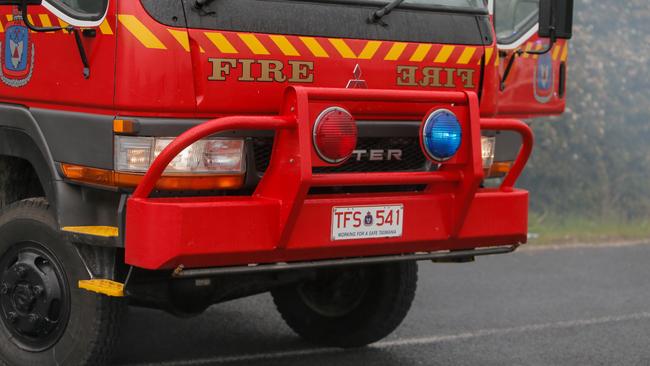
pixel 45 319
pixel 350 307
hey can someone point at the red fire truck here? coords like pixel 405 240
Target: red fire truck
pixel 176 154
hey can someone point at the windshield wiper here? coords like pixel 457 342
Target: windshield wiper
pixel 376 15
pixel 199 6
pixel 201 3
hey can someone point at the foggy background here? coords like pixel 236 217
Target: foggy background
pixel 590 170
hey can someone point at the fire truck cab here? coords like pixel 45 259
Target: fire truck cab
pixel 176 154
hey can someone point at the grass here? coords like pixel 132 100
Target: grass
pixel 557 230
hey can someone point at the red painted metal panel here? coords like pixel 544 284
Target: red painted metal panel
pixel 167 228
pixel 495 213
pixel 155 74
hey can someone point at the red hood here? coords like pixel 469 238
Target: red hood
pixel 250 71
pixel 207 73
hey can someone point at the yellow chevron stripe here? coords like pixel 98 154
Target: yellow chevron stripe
pixel 529 46
pixel 10 18
pixel 182 38
pixel 565 52
pixel 221 42
pixel 45 20
pixel 343 48
pixel 2 28
pixel 444 54
pixel 141 32
pixel 395 51
pixel 31 21
pixel 103 231
pixel 370 50
pixel 284 45
pixel 538 47
pixel 314 47
pixel 556 51
pixel 466 56
pixel 488 56
pixel 105 28
pixel 253 44
pixel 63 24
pixel 421 52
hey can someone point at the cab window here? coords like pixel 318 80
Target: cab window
pixel 88 10
pixel 514 18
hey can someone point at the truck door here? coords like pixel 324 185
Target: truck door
pixel 535 84
pixel 45 70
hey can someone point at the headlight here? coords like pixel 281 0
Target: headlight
pixel 487 151
pixel 207 157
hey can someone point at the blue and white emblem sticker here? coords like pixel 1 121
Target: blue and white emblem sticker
pixel 368 220
pixel 17 54
pixel 15 48
pixel 544 79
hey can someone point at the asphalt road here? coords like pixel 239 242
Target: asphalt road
pixel 585 305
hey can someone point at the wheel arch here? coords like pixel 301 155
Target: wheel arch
pixel 21 138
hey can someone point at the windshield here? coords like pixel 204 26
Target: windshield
pixel 514 18
pixel 418 21
pixel 90 10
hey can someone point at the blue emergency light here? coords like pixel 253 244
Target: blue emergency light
pixel 441 135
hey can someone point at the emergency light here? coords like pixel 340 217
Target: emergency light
pixel 335 135
pixel 441 135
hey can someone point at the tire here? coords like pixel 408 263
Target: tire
pixel 58 324
pixel 350 307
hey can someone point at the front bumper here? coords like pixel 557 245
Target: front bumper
pixel 282 222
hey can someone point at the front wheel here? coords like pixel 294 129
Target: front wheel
pixel 44 318
pixel 349 307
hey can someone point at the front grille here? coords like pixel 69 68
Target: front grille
pixel 262 148
pixel 412 157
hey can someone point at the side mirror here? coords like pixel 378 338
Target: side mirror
pixel 555 22
pixel 556 19
pixel 21 2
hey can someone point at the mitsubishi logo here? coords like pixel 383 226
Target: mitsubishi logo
pixel 357 82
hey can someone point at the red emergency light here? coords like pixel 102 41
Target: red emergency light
pixel 335 135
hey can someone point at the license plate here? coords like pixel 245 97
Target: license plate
pixel 367 222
